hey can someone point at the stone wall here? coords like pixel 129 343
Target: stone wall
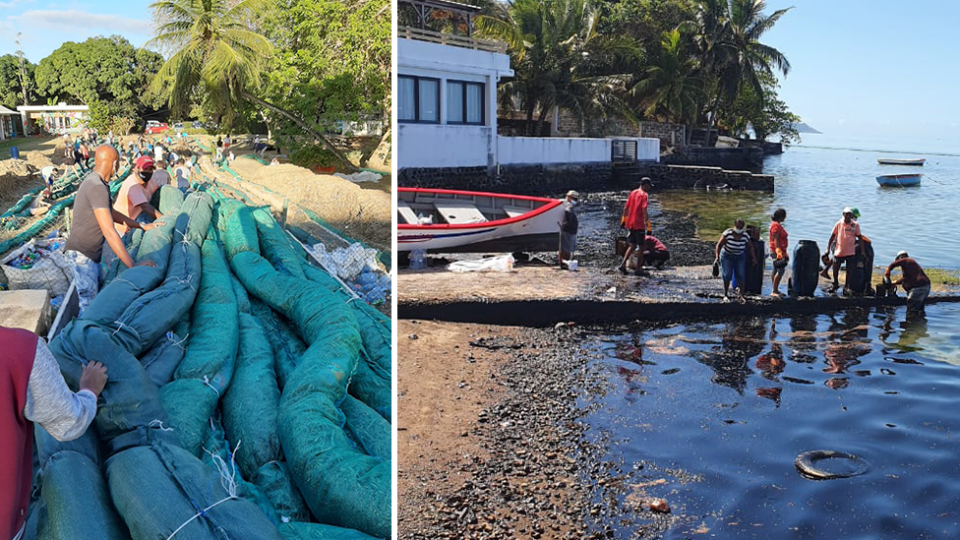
pixel 670 135
pixel 695 177
pixel 739 159
pixel 518 179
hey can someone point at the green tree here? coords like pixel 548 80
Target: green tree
pixel 727 34
pixel 11 90
pixel 669 89
pixel 560 59
pixel 216 53
pixel 765 115
pixel 100 69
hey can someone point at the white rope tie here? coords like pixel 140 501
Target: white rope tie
pixel 138 289
pixel 179 343
pixel 120 326
pixel 202 512
pixel 159 425
pixel 206 381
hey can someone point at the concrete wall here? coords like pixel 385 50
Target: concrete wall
pixel 438 146
pixel 695 177
pixel 550 150
pixel 750 159
pixel 670 135
pixel 518 179
pixel 434 56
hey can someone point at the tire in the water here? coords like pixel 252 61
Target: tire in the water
pixel 806 463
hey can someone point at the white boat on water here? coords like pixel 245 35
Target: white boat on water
pixel 891 161
pixel 469 221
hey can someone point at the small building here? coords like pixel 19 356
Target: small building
pixel 447 107
pixel 8 124
pixel 54 119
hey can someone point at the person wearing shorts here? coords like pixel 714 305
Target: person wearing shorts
pixel 635 220
pixel 844 236
pixel 778 249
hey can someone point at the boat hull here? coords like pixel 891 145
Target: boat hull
pixel 900 180
pixel 536 230
pixel 908 162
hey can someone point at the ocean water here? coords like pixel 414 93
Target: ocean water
pixel 816 179
pixel 711 416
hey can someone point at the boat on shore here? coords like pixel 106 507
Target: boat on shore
pixel 470 221
pixel 911 162
pixel 899 180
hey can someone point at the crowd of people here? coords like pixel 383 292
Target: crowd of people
pixel 735 252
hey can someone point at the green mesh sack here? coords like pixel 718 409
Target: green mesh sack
pixel 372 380
pixel 132 243
pixel 189 404
pixel 341 485
pixel 369 429
pixel 87 444
pixel 287 346
pixel 218 455
pixel 129 400
pixel 182 328
pixel 170 200
pixel 276 483
pixel 155 244
pixel 316 531
pixel 214 328
pixel 243 300
pixel 77 503
pixel 156 312
pixel 113 300
pixel 162 360
pixel 251 404
pixel 275 244
pixel 240 231
pixel 184 498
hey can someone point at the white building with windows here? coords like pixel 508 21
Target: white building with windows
pixel 8 128
pixel 447 99
pixel 53 119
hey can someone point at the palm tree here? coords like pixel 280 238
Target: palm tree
pixel 727 34
pixel 669 88
pixel 217 54
pixel 560 59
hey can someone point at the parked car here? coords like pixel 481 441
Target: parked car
pixel 178 126
pixel 196 124
pixel 156 127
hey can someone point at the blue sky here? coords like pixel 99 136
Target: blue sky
pixel 862 68
pixel 47 24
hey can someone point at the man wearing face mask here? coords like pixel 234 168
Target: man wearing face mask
pixel 133 199
pixel 568 228
pixel 93 225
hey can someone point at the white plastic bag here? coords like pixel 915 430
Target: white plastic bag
pixel 503 263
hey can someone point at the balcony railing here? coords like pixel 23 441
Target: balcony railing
pixel 452 40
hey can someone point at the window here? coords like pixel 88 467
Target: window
pixel 464 103
pixel 418 100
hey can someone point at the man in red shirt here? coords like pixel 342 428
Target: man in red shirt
pixel 635 220
pixel 914 281
pixel 655 251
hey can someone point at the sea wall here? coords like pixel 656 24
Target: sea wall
pixel 670 135
pixel 695 177
pixel 738 159
pixel 524 179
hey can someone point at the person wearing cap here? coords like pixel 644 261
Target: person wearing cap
pixel 133 199
pixel 93 226
pixel 635 220
pixel 914 281
pixel 568 228
pixel 844 238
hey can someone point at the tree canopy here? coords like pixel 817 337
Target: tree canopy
pixel 106 70
pixel 11 89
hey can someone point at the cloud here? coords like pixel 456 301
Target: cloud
pixel 39 22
